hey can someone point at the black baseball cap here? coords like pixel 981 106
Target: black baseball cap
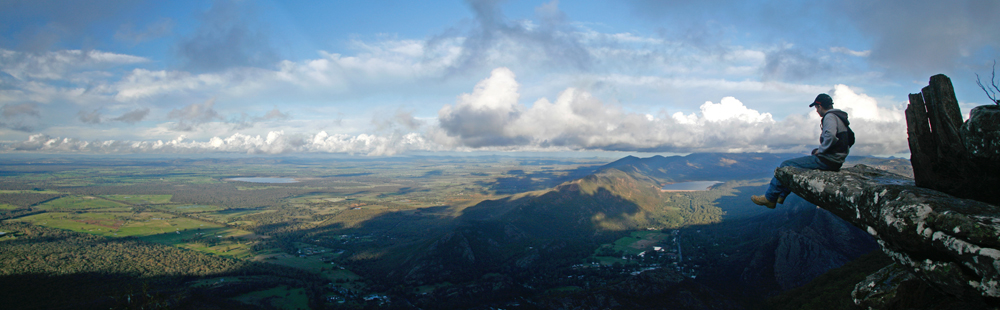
pixel 823 100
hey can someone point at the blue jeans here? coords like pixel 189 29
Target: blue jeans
pixel 776 190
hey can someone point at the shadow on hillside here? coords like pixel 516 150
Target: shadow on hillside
pixel 760 255
pixel 101 290
pixel 433 173
pixel 59 269
pixel 740 206
pixel 531 234
pixel 519 182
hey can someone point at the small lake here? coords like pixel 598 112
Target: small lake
pixel 690 186
pixel 264 180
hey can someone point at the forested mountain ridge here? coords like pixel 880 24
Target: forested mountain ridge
pixel 607 201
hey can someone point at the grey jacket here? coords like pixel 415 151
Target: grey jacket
pixel 833 148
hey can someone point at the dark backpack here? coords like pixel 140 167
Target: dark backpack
pixel 846 137
pixel 850 136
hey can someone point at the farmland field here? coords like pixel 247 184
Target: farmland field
pixel 186 208
pixel 281 297
pixel 140 199
pixel 639 241
pixel 105 224
pixel 156 227
pixel 313 264
pixel 83 203
pixel 26 191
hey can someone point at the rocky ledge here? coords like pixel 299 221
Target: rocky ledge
pixel 949 243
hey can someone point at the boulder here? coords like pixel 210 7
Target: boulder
pixel 981 134
pixel 886 288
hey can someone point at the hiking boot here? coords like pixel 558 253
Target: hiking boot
pixel 762 201
pixel 781 200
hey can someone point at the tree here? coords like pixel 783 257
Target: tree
pixel 991 93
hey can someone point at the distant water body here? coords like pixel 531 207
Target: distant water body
pixel 265 180
pixel 689 186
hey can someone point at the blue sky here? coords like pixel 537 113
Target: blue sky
pixel 398 77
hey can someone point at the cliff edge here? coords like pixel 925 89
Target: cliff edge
pixel 949 243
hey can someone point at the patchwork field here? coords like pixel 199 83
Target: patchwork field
pixel 152 226
pixel 105 224
pixel 281 297
pixel 214 240
pixel 189 208
pixel 233 216
pixel 82 203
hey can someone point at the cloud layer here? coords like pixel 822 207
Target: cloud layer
pixel 491 117
pixel 275 142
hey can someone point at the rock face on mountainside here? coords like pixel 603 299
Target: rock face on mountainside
pixel 801 255
pixel 950 243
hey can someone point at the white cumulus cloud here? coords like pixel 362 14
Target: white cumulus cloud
pixel 879 129
pixel 483 117
pixel 492 118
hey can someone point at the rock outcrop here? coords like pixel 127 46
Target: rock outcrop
pixel 947 155
pixel 950 243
